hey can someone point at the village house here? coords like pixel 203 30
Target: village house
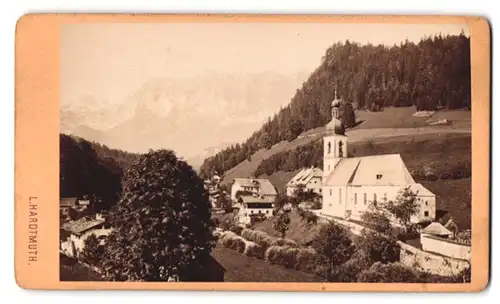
pixel 437 238
pixel 352 184
pixel 255 206
pixel 253 186
pixel 309 178
pixel 74 233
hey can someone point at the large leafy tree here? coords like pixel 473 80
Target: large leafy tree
pixel 92 251
pixel 378 247
pixel 162 224
pixel 404 206
pixel 334 247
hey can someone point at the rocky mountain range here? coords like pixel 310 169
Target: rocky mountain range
pixel 195 117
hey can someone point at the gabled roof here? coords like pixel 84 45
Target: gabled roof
pixel 256 199
pixel 304 176
pixel 68 201
pixel 81 225
pixel 264 185
pixel 377 170
pixel 451 224
pixel 436 228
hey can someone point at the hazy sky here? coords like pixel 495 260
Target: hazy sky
pixel 108 61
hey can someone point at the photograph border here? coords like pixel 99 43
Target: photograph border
pixel 37 111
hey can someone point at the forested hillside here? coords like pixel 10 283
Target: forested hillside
pixel 432 74
pixel 91 169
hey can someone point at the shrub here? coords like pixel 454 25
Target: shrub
pixel 254 250
pixel 388 273
pixel 306 260
pixel 233 242
pixel 236 229
pixel 216 222
pixel 259 237
pixel 282 255
pixel 378 247
pixel 283 242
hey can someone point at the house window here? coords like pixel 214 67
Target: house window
pixel 330 192
pixel 267 211
pixel 320 190
pixel 426 213
pixel 251 211
pixel 374 197
pixel 355 198
pixel 364 198
pixel 260 211
pixel 379 176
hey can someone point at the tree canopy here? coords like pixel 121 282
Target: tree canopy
pixel 162 224
pixel 431 74
pixel 83 172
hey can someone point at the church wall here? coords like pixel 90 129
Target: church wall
pixel 356 201
pixel 334 201
pixel 427 209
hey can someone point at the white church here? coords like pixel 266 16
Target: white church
pixel 351 184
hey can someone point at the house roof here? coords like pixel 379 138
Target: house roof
pixel 436 228
pixel 81 225
pixel 304 176
pixel 68 201
pixel 264 185
pixel 451 223
pixel 377 170
pixel 256 199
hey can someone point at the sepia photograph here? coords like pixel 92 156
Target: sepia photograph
pixel 265 152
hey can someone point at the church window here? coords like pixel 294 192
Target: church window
pixel 364 198
pixel 355 198
pixel 385 196
pixel 341 152
pixel 320 190
pixel 330 192
pixel 329 147
pixel 426 203
pixel 328 167
pixel 340 196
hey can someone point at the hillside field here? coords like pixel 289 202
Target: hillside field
pixel 390 125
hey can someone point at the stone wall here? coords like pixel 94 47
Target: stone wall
pixel 430 262
pixel 414 257
pixel 446 247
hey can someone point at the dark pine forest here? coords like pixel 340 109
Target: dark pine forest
pixel 430 75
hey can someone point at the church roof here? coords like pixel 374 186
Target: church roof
pixel 421 190
pixel 336 126
pixel 377 170
pixel 304 176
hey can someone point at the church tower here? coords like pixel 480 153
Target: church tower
pixel 335 140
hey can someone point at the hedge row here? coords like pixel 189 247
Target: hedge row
pixel 303 259
pixel 273 250
pixel 265 240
